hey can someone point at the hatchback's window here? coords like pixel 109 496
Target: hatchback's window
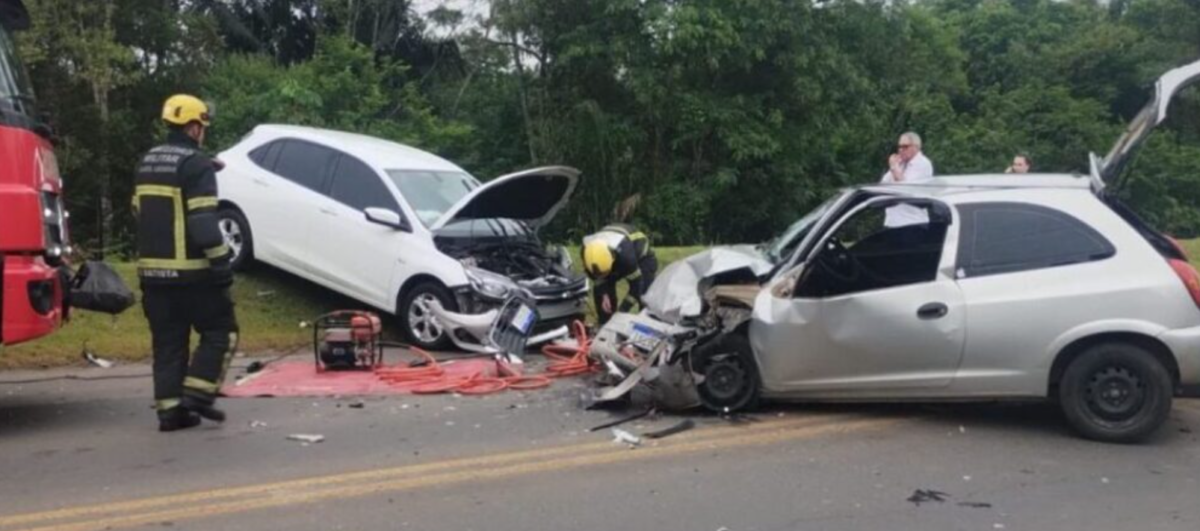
pixel 304 163
pixel 358 187
pixel 865 254
pixel 432 193
pixel 1008 237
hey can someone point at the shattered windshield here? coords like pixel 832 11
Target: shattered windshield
pixel 432 193
pixel 783 245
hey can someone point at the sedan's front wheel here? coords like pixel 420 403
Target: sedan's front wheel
pixel 1116 392
pixel 417 319
pixel 236 231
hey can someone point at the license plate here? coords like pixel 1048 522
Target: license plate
pixel 523 320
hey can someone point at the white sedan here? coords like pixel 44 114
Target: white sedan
pixel 398 228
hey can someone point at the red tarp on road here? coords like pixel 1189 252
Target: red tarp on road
pixel 299 378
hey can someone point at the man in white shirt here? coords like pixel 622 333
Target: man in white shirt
pixel 907 165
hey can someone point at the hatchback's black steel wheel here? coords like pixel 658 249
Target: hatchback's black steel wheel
pixel 729 377
pixel 1116 392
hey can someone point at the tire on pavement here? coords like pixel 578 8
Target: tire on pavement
pixel 730 380
pixel 417 321
pixel 1116 392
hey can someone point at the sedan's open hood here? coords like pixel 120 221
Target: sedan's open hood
pixel 533 196
pixel 1106 169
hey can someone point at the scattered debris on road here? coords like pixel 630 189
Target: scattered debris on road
pixel 621 420
pixel 306 438
pixel 95 360
pixel 621 436
pixel 258 424
pixel 920 496
pixel 679 427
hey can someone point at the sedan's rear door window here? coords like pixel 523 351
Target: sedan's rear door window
pixel 266 155
pixel 1002 238
pixel 305 163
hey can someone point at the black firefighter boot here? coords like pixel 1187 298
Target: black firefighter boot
pixel 203 406
pixel 177 418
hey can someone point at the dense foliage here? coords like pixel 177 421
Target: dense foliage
pixel 708 120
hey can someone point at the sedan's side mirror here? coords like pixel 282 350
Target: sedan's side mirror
pixel 387 218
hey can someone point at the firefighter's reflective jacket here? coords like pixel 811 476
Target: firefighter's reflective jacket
pixel 175 200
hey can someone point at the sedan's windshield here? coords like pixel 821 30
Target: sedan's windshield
pixel 432 193
pixel 16 94
pixel 783 245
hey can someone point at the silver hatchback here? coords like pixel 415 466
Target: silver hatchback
pixel 1016 287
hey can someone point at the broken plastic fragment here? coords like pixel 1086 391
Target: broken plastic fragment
pixel 96 360
pixel 622 436
pixel 311 438
pixel 258 424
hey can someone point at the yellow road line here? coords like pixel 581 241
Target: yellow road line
pixel 775 432
pixel 375 475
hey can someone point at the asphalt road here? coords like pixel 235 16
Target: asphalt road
pixel 84 455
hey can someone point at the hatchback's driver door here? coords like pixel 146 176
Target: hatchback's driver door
pixel 875 309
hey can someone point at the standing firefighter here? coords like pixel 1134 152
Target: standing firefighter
pixel 618 252
pixel 184 268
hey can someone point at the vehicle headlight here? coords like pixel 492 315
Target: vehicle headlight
pixel 489 284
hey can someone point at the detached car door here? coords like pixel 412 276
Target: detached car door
pixel 352 254
pixel 874 311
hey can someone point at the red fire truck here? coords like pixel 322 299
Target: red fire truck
pixel 33 230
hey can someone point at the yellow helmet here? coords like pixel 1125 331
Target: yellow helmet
pixel 183 109
pixel 597 259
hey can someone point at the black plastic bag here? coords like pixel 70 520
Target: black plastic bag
pixel 98 288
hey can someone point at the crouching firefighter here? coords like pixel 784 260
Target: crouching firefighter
pixel 184 268
pixel 618 252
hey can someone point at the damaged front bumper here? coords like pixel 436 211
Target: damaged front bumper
pixel 642 352
pixel 482 330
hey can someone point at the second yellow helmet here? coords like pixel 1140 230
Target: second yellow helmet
pixel 597 259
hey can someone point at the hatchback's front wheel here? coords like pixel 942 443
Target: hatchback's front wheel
pixel 729 378
pixel 1116 392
